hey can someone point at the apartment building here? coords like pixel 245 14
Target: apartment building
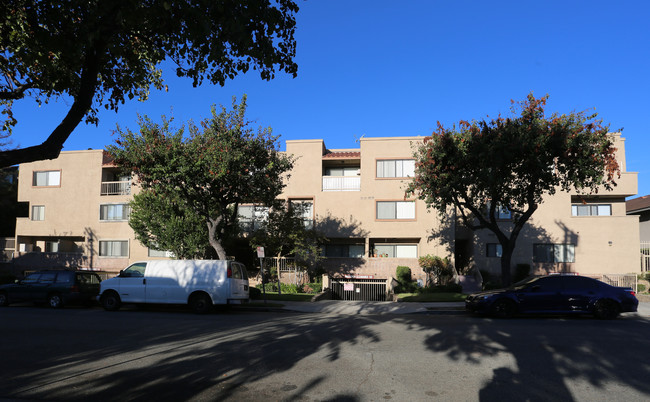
pixel 359 203
pixel 78 216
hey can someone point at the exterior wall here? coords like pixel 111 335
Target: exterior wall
pixel 603 244
pixel 72 216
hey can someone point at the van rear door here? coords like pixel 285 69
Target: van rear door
pixel 238 281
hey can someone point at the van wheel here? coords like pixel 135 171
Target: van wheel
pixel 55 300
pixel 4 299
pixel 200 303
pixel 110 301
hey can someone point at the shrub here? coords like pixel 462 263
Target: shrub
pixel 437 268
pixel 640 288
pixel 403 275
pixel 315 287
pixel 448 288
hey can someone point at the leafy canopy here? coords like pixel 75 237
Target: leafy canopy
pixel 483 167
pixel 205 174
pixel 100 53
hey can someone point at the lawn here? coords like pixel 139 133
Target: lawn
pixel 431 297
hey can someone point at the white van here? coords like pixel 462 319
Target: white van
pixel 198 283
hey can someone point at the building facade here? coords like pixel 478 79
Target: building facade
pixel 78 216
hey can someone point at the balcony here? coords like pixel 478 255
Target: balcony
pixel 341 183
pixel 116 188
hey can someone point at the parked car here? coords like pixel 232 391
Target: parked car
pixel 555 294
pixel 57 288
pixel 198 283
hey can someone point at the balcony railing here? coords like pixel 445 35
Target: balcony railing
pixel 116 188
pixel 341 183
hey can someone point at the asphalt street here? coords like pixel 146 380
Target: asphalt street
pixel 170 354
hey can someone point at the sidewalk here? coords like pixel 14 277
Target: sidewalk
pixel 369 308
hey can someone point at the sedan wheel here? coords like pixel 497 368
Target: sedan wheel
pixel 504 308
pixel 55 300
pixel 4 299
pixel 606 309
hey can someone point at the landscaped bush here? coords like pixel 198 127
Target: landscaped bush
pixel 436 268
pixel 315 287
pixel 640 288
pixel 403 275
pixel 448 288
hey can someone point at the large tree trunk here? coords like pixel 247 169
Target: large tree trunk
pixel 212 238
pixel 506 258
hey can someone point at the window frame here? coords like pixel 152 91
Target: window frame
pixel 497 250
pixel 47 172
pixel 567 251
pixel 395 168
pixel 126 210
pixel 394 252
pixel 128 248
pixel 41 215
pixel 396 214
pixel 575 210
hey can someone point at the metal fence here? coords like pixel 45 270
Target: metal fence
pixel 358 289
pixel 623 280
pixel 645 256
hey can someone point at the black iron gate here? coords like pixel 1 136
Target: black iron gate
pixel 358 289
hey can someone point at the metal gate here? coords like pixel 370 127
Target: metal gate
pixel 358 289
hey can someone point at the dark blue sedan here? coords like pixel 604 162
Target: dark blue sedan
pixel 555 294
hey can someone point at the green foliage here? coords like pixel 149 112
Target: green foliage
pixel 644 276
pixel 101 53
pixel 291 288
pixel 403 276
pixel 522 271
pixel 480 167
pixel 201 177
pixel 437 269
pixel 448 288
pixel 284 233
pixel 640 288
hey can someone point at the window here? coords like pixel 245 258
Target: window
pixel 134 270
pixel 114 248
pixel 494 250
pixel 38 212
pixel 114 212
pixel 47 178
pixel 396 250
pixel 591 210
pixel 344 250
pixel 342 171
pixel 395 210
pixel 501 213
pixel 51 246
pixel 305 210
pixel 554 253
pixel 252 217
pixel 396 168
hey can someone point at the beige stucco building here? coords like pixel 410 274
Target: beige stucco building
pixel 78 216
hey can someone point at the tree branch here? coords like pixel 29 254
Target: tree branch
pixel 51 148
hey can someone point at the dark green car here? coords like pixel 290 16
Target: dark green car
pixel 56 288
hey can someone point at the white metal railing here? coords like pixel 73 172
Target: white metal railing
pixel 116 188
pixel 341 183
pixel 645 256
pixel 622 280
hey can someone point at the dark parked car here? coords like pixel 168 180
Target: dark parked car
pixel 54 287
pixel 555 294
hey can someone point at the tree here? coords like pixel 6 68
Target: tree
pixel 511 164
pixel 285 232
pixel 99 53
pixel 162 223
pixel 205 175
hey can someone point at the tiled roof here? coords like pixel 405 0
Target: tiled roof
pixel 346 154
pixel 638 204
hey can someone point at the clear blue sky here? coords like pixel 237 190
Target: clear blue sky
pixel 386 68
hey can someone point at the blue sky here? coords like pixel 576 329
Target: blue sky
pixel 386 68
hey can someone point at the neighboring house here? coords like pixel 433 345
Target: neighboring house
pixel 641 206
pixel 79 216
